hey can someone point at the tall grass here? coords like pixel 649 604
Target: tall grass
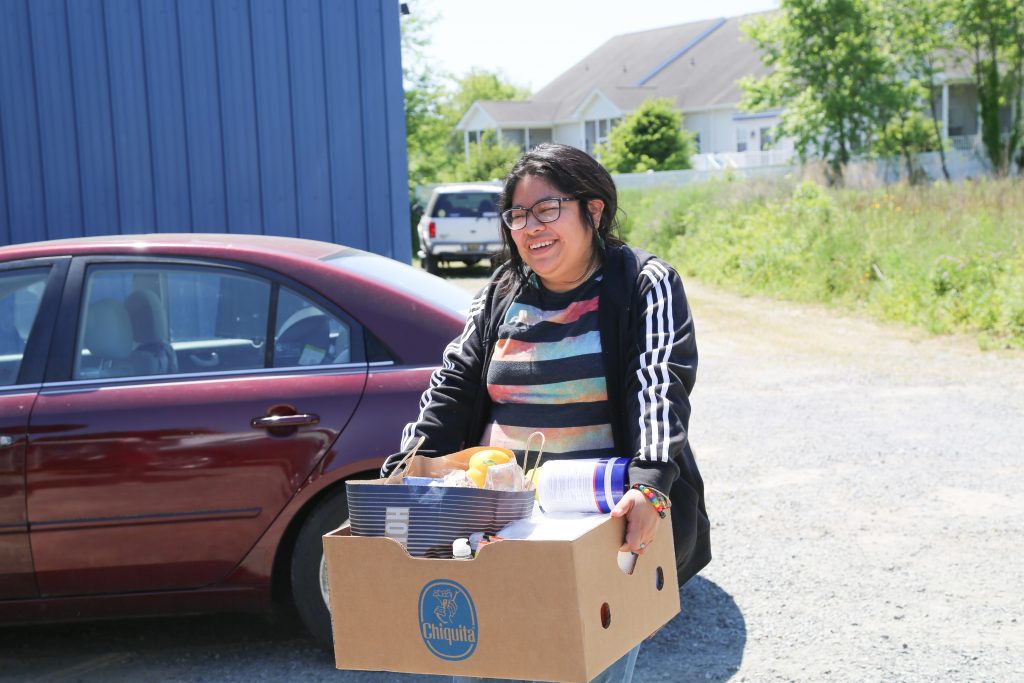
pixel 944 257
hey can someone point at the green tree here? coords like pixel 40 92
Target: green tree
pixel 992 33
pixel 906 134
pixel 490 154
pixel 480 84
pixel 434 104
pixel 828 74
pixel 490 159
pixel 426 102
pixel 917 36
pixel 651 138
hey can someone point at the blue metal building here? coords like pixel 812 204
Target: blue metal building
pixel 280 117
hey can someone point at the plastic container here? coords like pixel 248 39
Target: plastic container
pixel 461 549
pixel 587 485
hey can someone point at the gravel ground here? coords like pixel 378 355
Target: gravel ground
pixel 866 490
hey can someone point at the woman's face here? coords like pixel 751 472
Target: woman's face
pixel 562 251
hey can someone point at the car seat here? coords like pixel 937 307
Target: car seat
pixel 305 339
pixel 153 353
pixel 108 336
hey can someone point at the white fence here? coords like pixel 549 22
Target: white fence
pixel 692 175
pixel 752 159
pixel 964 160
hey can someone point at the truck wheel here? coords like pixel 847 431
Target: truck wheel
pixel 309 570
pixel 430 264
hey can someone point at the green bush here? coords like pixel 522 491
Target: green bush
pixel 652 138
pixel 943 257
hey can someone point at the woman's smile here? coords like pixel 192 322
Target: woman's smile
pixel 560 252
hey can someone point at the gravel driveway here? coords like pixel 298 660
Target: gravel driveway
pixel 866 490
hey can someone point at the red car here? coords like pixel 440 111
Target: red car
pixel 179 413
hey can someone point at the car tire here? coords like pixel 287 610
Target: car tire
pixel 430 264
pixel 308 570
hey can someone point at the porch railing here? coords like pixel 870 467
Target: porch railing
pixel 964 143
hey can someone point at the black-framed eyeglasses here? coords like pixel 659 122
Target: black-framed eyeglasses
pixel 545 211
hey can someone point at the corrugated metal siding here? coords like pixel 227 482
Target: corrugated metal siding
pixel 280 117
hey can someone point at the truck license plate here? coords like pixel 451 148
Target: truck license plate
pixel 473 247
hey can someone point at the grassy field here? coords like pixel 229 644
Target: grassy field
pixel 943 257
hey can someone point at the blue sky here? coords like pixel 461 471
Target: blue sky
pixel 510 36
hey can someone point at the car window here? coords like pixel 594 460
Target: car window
pixel 465 205
pixel 21 292
pixel 306 334
pixel 141 320
pixel 401 276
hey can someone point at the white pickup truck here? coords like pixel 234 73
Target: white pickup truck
pixel 460 223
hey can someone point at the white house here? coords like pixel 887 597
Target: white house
pixel 697 66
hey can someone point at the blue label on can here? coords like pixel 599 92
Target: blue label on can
pixel 609 482
pixel 448 620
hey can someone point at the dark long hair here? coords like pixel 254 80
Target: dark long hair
pixel 575 174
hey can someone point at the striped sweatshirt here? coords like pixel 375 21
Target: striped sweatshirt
pixel 546 374
pixel 649 356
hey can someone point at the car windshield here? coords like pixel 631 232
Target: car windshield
pixel 465 205
pixel 412 281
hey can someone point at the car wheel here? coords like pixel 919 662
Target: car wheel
pixel 309 570
pixel 430 264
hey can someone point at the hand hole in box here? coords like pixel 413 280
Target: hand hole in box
pixel 659 578
pixel 606 615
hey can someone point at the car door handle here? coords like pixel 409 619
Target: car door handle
pixel 211 360
pixel 273 421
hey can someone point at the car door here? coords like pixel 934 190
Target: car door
pixel 184 405
pixel 29 293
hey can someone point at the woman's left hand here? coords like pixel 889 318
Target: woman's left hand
pixel 641 521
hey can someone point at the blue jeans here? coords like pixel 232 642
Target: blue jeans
pixel 620 671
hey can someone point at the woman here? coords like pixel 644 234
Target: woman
pixel 585 339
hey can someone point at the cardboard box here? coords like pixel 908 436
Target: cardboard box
pixel 536 610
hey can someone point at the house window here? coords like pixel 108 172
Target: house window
pixel 537 136
pixel 514 136
pixel 696 142
pixel 596 132
pixel 741 139
pixel 474 137
pixel 766 138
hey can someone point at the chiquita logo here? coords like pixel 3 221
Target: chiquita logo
pixel 448 620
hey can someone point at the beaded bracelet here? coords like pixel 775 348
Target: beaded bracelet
pixel 655 497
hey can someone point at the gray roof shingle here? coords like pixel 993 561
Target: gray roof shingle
pixel 633 67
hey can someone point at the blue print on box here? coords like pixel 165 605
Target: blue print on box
pixel 448 620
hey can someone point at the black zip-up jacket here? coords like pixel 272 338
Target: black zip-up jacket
pixel 650 360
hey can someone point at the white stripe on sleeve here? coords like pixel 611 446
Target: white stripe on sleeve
pixel 659 328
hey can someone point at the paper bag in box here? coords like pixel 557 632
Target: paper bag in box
pixel 426 519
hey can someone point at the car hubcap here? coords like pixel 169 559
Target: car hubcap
pixel 325 591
